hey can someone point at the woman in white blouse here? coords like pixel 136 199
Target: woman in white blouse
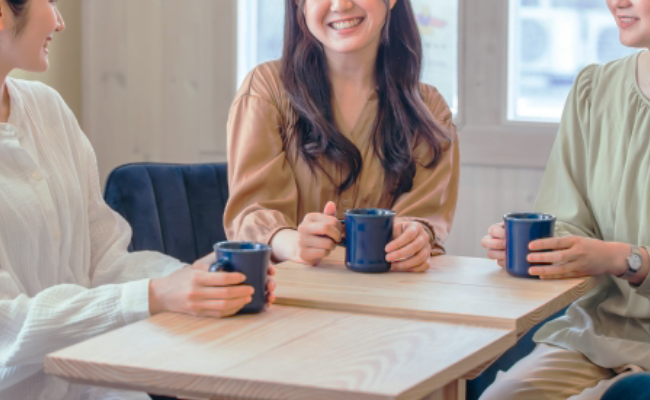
pixel 65 273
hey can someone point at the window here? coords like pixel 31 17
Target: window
pixel 550 42
pixel 261 28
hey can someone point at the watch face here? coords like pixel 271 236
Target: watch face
pixel 635 262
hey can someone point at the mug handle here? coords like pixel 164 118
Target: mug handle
pixel 222 265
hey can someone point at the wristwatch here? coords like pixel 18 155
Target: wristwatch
pixel 634 263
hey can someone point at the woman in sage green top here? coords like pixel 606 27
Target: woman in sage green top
pixel 597 184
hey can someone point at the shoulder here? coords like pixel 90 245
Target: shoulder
pixel 437 105
pixel 34 92
pixel 615 75
pixel 263 81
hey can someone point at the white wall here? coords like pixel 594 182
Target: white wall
pixel 159 76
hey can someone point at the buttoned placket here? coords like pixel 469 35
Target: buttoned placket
pixel 12 141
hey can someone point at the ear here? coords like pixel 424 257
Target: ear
pixel 6 20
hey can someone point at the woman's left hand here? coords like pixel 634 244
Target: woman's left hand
pixel 410 249
pixel 577 257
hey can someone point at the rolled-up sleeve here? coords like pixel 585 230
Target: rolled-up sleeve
pixel 263 191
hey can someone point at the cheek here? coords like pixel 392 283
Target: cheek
pixel 315 12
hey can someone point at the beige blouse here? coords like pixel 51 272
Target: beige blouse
pixel 273 189
pixel 597 184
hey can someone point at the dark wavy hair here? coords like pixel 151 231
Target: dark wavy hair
pixel 19 8
pixel 402 119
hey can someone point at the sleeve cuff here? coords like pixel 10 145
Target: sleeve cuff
pixel 135 301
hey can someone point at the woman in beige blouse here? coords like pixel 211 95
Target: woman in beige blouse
pixel 341 122
pixel 597 184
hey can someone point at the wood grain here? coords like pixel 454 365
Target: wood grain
pixel 285 353
pixel 456 289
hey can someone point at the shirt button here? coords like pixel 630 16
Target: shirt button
pixel 346 202
pixel 36 175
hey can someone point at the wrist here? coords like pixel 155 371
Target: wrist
pixel 155 300
pixel 284 245
pixel 619 253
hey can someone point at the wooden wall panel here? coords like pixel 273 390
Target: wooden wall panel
pixel 159 77
pixel 486 194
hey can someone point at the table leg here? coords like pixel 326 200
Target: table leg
pixel 453 391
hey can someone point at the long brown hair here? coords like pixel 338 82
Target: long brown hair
pixel 402 119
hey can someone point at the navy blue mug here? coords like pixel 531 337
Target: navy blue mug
pixel 521 229
pixel 250 259
pixel 367 232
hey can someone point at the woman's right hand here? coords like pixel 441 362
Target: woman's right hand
pixel 318 235
pixel 195 291
pixel 495 243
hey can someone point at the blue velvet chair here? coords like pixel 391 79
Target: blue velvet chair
pixel 633 387
pixel 173 209
pixel 178 210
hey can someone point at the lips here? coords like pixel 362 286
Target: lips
pixel 625 21
pixel 346 24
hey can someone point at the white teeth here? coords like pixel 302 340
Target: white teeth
pixel 339 26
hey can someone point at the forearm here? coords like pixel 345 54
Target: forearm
pixel 285 245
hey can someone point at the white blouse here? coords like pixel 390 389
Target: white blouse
pixel 65 273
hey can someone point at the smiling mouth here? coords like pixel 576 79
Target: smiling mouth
pixel 347 24
pixel 627 20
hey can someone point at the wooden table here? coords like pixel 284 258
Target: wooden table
pixel 456 289
pixel 285 353
pixel 337 335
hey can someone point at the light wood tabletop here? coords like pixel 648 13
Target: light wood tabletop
pixel 285 353
pixel 455 289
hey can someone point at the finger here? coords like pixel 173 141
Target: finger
pixel 553 257
pixel 226 309
pixel 501 263
pixel 493 244
pixel 313 256
pixel 424 267
pixel 420 259
pixel 271 270
pixel 223 293
pixel 218 278
pixel 317 242
pixel 496 255
pixel 208 260
pixel 323 228
pixel 551 270
pixel 559 243
pixel 330 209
pixel 408 251
pixel 497 231
pixel 565 276
pixel 398 229
pixel 409 233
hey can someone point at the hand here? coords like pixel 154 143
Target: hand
pixel 195 291
pixel 576 257
pixel 410 249
pixel 212 258
pixel 318 235
pixel 495 243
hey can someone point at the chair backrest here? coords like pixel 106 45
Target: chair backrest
pixel 173 209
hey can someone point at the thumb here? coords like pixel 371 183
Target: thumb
pixel 330 209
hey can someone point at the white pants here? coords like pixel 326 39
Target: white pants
pixel 554 373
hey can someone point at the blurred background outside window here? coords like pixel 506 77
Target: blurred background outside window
pixel 550 42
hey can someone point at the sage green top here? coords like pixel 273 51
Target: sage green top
pixel 597 184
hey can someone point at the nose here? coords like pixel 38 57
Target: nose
pixel 340 5
pixel 621 3
pixel 60 23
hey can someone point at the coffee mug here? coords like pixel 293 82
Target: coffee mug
pixel 367 232
pixel 250 259
pixel 521 229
